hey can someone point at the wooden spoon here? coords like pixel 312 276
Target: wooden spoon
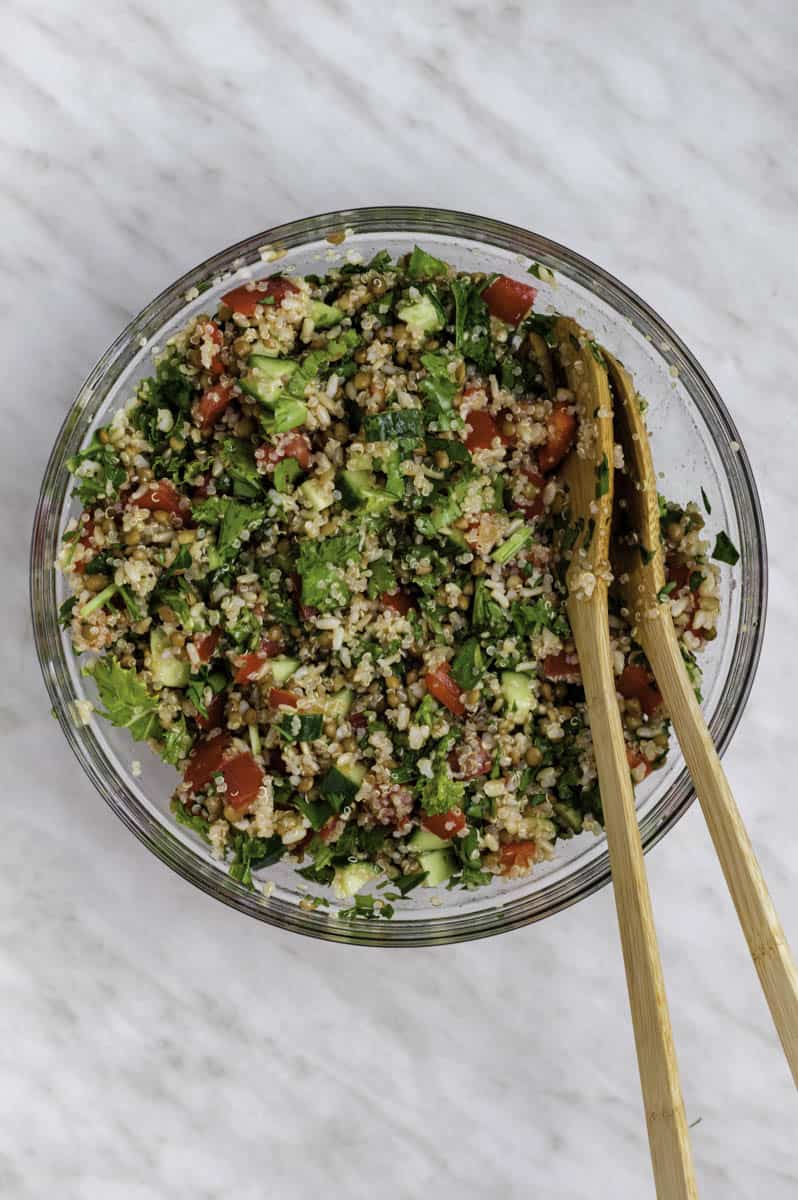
pixel 589 473
pixel 641 575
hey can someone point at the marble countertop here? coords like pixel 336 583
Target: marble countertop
pixel 158 1045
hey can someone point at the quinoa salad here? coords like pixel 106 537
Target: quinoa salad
pixel 320 570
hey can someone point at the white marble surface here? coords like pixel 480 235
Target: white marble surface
pixel 156 1045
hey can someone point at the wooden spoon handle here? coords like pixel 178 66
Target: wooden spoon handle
pixel 659 1073
pixel 761 926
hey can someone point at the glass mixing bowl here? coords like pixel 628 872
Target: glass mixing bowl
pixel 695 443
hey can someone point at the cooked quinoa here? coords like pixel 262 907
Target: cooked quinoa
pixel 320 569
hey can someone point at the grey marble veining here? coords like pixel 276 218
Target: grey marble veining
pixel 159 1046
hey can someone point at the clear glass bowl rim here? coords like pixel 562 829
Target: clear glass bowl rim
pixel 428 930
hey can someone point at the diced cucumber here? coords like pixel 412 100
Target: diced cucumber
pixel 568 815
pixel 439 865
pixel 350 879
pixel 286 415
pixel 518 694
pixel 314 495
pixel 515 542
pixel 339 705
pixel 422 316
pixel 324 315
pixel 283 669
pixel 425 839
pixel 266 377
pixel 359 490
pixel 167 671
pixel 354 486
pixel 301 727
pixel 343 780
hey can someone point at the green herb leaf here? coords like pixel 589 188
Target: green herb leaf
pixel 127 702
pixel 422 265
pixel 472 324
pixel 725 551
pixel 441 793
pixel 468 665
pixel 439 390
pixel 98 471
pixel 238 458
pixel 286 471
pixel 707 505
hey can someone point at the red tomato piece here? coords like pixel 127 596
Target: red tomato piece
pixel 562 668
pixel 205 760
pixel 508 299
pixel 635 758
pixel 445 825
pixel 243 777
pixel 160 497
pixel 215 714
pixel 635 683
pixel 399 601
pixel 562 431
pixel 516 854
pixel 358 720
pixel 445 689
pixel 277 698
pixel 206 645
pixel 470 763
pixel 249 665
pixel 482 429
pixel 288 445
pixel 212 403
pixel 245 299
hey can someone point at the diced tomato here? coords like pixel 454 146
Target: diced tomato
pixel 245 299
pixel 399 601
pixel 635 758
pixel 278 697
pixel 678 573
pixel 470 763
pixel 535 507
pixel 445 689
pixel 249 665
pixel 358 720
pixel 635 683
pixel 562 431
pixel 212 403
pixel 508 299
pixel 206 645
pixel 205 760
pixel 211 331
pixel 215 714
pixel 445 825
pixel 160 497
pixel 516 854
pixel 482 429
pixel 562 668
pixel 243 777
pixel 288 445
